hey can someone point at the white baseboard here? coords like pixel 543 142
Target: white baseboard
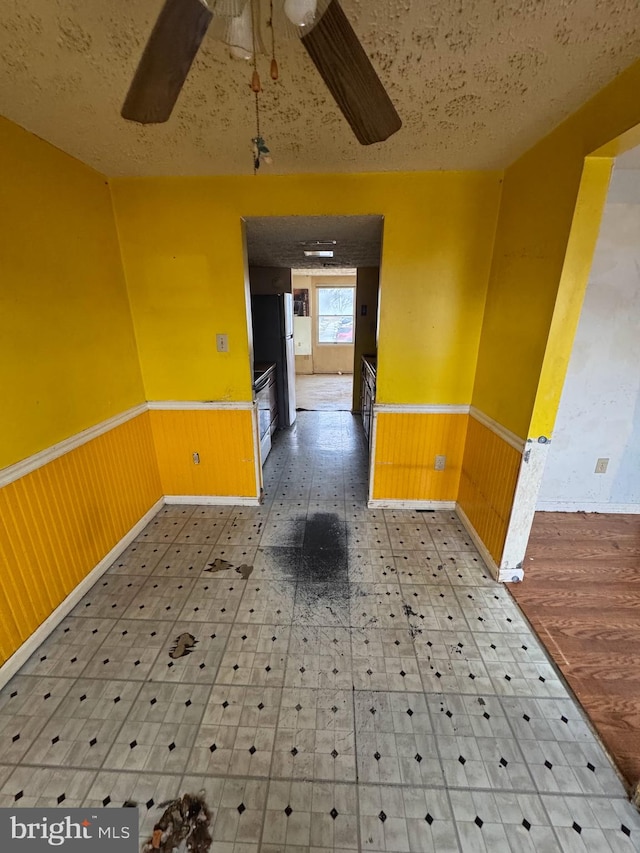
pixel 477 541
pixel 22 655
pixel 397 504
pixel 585 506
pixel 212 500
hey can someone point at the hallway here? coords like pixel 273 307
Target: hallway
pixel 354 681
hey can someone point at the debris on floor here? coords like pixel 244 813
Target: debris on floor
pixel 184 645
pixel 186 819
pixel 245 571
pixel 218 565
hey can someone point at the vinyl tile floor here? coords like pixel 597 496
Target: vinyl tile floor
pixel 358 682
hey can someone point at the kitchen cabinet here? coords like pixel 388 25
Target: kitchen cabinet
pixel 368 394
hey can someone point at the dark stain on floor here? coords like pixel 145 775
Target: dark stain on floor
pixel 324 531
pixel 320 571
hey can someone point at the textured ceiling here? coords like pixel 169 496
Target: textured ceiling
pixel 476 83
pixel 280 241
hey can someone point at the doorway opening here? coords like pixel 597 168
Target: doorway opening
pixel 325 272
pixel 313 309
pixel 324 335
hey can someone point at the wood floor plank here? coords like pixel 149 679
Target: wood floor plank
pixel 613 565
pixel 581 593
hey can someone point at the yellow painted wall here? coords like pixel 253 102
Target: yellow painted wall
pixel 59 521
pixel 537 208
pixel 183 258
pixel 68 357
pixel 407 445
pixel 68 361
pixel 487 485
pixel 224 442
pixel 574 278
pixel 181 241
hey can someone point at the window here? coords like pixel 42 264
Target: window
pixel 335 315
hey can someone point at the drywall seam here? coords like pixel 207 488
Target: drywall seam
pixel 126 280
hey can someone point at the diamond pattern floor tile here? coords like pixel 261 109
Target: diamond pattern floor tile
pixel 333 677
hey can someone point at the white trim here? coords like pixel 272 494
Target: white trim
pixel 372 452
pixel 199 405
pixel 20 469
pixel 256 449
pixel 38 460
pixel 586 506
pixel 418 409
pixel 477 541
pixel 380 503
pixel 212 500
pixel 524 504
pixel 511 575
pixel 21 655
pixel 502 432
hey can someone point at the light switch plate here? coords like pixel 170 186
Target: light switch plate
pixel 222 343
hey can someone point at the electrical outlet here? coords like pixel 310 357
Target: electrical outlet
pixel 601 466
pixel 222 343
pixel 196 458
pixel 441 463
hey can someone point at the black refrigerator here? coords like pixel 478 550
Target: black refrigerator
pixel 272 320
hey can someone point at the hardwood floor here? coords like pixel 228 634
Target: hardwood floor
pixel 581 593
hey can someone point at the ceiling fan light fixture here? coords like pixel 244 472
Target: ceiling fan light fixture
pixel 240 35
pixel 301 13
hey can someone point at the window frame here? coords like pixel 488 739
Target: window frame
pixel 320 287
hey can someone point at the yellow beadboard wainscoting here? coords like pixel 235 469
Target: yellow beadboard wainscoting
pixel 225 440
pixel 59 521
pixel 405 444
pixel 489 474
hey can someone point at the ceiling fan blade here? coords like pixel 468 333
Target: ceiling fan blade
pixel 167 58
pixel 349 75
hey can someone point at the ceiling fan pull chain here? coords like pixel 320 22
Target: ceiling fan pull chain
pixel 260 150
pixel 256 139
pixel 274 62
pixel 255 23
